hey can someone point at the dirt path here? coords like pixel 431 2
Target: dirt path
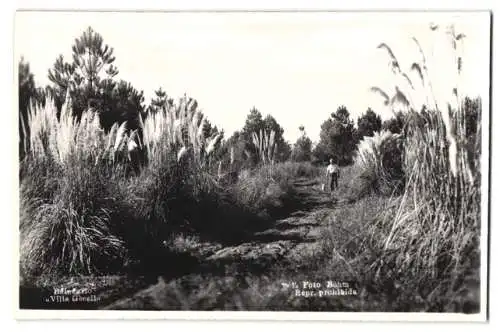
pixel 290 237
pixel 288 240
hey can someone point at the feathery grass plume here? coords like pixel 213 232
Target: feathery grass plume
pixel 120 138
pixel 181 125
pixel 182 152
pixel 380 159
pixel 111 137
pixel 200 125
pixel 213 143
pixel 50 136
pixel 271 146
pixel 404 87
pixel 416 67
pixel 446 107
pixel 134 140
pixel 41 122
pixel 265 145
pixel 219 170
pixel 381 93
pixel 71 212
pixel 231 156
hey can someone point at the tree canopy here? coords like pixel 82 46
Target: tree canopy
pixel 337 138
pixel 89 78
pixel 368 124
pixel 302 149
pixel 255 123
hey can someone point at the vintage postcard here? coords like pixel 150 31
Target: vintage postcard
pixel 290 165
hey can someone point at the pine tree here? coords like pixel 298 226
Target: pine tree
pixel 337 138
pixel 255 123
pixel 302 148
pixel 27 95
pixel 93 60
pixel 161 102
pixel 89 78
pixel 395 124
pixel 368 124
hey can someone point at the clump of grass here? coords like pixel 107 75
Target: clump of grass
pixel 432 243
pixel 260 190
pixel 73 231
pixel 270 187
pixel 71 213
pixel 178 190
pixel 296 170
pixel 380 165
pixel 179 128
pixel 68 210
pixel 442 236
pixel 82 214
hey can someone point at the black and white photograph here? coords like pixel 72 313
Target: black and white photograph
pixel 246 164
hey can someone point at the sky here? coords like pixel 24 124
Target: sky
pixel 298 67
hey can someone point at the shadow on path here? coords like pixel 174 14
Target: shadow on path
pixel 296 224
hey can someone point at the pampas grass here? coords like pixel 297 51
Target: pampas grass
pixel 72 233
pixel 445 97
pixel 265 145
pixel 58 139
pixel 180 129
pixel 434 239
pixel 379 159
pixel 69 219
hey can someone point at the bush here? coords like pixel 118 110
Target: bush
pixel 379 162
pixel 296 170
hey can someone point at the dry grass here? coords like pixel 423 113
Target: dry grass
pixel 179 129
pixel 270 187
pixel 380 165
pixel 265 145
pixel 433 239
pixel 83 214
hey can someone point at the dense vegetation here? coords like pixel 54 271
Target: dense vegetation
pixel 107 181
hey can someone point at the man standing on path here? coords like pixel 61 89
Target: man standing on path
pixel 332 171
